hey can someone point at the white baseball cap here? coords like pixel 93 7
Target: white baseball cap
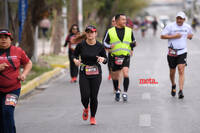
pixel 181 14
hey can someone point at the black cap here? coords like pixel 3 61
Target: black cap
pixel 90 28
pixel 5 32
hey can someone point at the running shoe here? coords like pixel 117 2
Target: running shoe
pixel 85 114
pixel 92 121
pixel 180 94
pixel 125 97
pixel 109 77
pixel 75 79
pixel 114 91
pixel 117 96
pixel 72 80
pixel 173 91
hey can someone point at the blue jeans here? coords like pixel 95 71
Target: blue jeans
pixel 7 123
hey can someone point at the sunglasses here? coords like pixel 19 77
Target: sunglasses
pixel 4 36
pixel 89 31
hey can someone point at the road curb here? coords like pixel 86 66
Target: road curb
pixel 31 85
pixel 58 65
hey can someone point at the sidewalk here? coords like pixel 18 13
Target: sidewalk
pixel 43 48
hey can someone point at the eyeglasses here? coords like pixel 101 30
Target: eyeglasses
pixel 4 36
pixel 89 31
pixel 74 28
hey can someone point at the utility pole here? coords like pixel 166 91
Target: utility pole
pixel 80 14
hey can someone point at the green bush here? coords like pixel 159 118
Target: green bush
pixel 44 65
pixel 36 71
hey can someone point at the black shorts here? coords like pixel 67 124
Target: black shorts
pixel 126 63
pixel 174 61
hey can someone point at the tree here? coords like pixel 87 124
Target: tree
pixel 98 12
pixel 101 12
pixel 73 12
pixel 57 25
pixel 57 29
pixel 35 8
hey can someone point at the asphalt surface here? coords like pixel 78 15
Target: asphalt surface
pixel 150 108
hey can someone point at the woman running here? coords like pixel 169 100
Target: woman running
pixel 91 53
pixel 73 33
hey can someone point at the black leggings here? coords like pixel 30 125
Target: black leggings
pixel 73 67
pixel 109 61
pixel 7 122
pixel 89 88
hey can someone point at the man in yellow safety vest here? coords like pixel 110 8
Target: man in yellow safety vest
pixel 121 41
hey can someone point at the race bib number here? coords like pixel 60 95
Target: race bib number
pixel 11 99
pixel 172 52
pixel 119 60
pixel 73 46
pixel 91 70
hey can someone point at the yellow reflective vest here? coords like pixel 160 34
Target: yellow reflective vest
pixel 120 47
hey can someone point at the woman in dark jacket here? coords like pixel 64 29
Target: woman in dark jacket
pixel 92 53
pixel 73 33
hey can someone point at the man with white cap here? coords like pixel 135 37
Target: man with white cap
pixel 177 34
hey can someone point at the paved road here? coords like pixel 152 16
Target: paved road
pixel 150 109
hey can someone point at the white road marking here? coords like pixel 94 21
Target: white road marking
pixel 147 72
pixel 145 120
pixel 146 96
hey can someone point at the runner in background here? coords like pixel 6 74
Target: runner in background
pixel 154 26
pixel 113 23
pixel 143 27
pixel 194 23
pixel 129 23
pixel 177 34
pixel 70 41
pixel 45 25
